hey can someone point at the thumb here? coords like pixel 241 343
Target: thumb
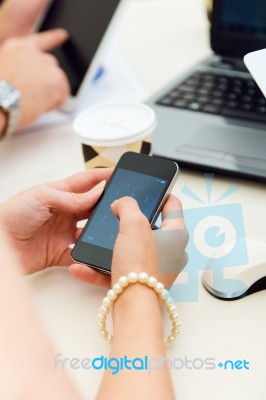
pixel 131 218
pixel 75 203
pixel 48 40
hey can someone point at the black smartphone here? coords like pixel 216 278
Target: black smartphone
pixel 149 180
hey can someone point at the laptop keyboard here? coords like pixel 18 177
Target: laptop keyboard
pixel 217 94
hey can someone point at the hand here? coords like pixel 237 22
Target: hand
pixel 135 248
pixel 17 17
pixel 35 74
pixel 41 222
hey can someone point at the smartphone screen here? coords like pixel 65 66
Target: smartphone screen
pixel 148 180
pixel 147 190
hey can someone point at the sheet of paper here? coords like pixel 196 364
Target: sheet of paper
pixel 119 82
pixel 256 64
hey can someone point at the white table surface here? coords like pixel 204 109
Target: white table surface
pixel 160 38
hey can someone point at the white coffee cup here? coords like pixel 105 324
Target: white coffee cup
pixel 110 129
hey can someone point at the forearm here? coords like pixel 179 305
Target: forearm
pixel 138 332
pixel 27 359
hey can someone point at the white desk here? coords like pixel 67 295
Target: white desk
pixel 160 38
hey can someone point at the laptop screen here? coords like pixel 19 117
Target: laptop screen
pixel 244 16
pixel 238 26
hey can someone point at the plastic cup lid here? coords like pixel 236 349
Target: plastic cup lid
pixel 115 123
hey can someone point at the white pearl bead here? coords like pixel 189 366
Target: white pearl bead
pixel 169 300
pixel 104 310
pixel 171 339
pixel 117 288
pixel 104 333
pixel 143 277
pixel 174 317
pixel 111 295
pixel 123 281
pixel 177 323
pixel 165 294
pixel 175 332
pixel 132 277
pixel 101 317
pixel 159 288
pixel 101 325
pixel 172 309
pixel 107 302
pixel 152 281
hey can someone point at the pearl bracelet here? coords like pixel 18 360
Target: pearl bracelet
pixel 152 283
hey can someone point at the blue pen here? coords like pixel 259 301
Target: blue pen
pixel 99 74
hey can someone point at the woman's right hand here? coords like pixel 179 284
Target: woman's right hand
pixel 137 245
pixel 135 248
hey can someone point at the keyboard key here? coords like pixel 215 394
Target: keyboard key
pixel 247 99
pixel 203 99
pixel 237 82
pixel 180 103
pixel 218 102
pixel 188 96
pixel 222 87
pixel 237 90
pixel 251 83
pixel 167 100
pixel 194 106
pixel 262 110
pixel 247 107
pixel 187 88
pixel 262 102
pixel 211 108
pixel 251 92
pixel 231 104
pixel 232 96
pixel 217 93
pixel 203 91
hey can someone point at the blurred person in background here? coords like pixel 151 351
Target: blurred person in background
pixel 31 80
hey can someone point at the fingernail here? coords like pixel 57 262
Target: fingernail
pixel 62 32
pixel 99 187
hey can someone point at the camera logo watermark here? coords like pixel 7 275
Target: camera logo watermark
pixel 146 363
pixel 217 240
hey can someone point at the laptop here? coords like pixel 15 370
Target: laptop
pixel 213 118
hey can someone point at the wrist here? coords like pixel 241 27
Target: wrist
pixel 136 300
pixel 133 294
pixel 139 311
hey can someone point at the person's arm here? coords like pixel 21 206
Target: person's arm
pixel 138 332
pixel 17 17
pixel 27 357
pixel 30 220
pixel 137 320
pixel 36 74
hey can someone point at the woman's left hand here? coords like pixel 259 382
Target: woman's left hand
pixel 41 222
